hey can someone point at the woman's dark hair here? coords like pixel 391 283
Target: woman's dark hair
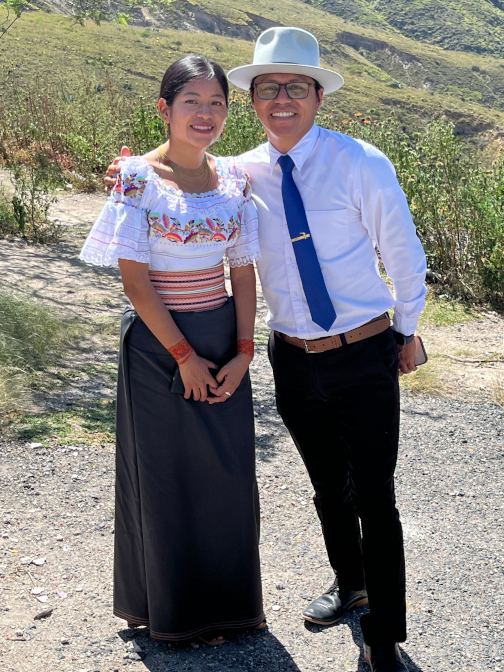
pixel 185 70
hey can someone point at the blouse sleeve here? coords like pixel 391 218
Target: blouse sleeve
pixel 246 245
pixel 122 229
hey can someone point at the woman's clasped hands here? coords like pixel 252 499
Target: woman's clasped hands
pixel 198 381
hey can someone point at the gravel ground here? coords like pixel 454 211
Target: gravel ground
pixel 57 503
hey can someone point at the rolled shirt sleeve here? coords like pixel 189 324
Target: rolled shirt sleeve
pixel 386 216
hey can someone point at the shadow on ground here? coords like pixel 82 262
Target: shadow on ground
pixel 246 652
pixel 352 621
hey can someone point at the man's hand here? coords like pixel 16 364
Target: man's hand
pixel 230 376
pixel 111 175
pixel 407 358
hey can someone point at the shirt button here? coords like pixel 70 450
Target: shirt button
pixel 295 294
pixel 289 259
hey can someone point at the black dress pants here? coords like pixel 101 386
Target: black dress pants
pixel 341 408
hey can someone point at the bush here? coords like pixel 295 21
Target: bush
pixel 34 183
pixel 147 129
pixel 78 130
pixel 7 220
pixel 243 130
pixel 456 202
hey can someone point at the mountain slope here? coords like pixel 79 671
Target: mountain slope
pixel 465 25
pixel 385 57
pixel 383 69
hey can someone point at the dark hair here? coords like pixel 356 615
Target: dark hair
pixel 186 70
pixel 315 82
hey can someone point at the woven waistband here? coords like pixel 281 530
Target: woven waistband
pixel 191 290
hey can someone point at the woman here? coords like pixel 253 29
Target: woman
pixel 187 516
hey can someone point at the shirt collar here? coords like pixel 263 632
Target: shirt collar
pixel 300 152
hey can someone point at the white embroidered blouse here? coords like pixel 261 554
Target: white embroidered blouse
pixel 149 221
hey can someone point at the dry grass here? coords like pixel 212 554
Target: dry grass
pixel 31 337
pixel 427 379
pixel 498 394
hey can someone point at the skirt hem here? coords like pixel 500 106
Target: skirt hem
pixel 190 634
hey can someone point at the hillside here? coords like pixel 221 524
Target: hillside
pixel 384 70
pixel 465 25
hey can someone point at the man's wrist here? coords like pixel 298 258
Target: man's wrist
pixel 401 339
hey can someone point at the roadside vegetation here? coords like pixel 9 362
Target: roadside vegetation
pixel 32 337
pixel 50 136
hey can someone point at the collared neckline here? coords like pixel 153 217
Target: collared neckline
pixel 300 152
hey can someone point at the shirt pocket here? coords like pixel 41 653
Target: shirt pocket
pixel 330 232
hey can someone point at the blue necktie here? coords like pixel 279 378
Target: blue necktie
pixel 317 296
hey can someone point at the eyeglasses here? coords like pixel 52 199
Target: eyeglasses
pixel 270 90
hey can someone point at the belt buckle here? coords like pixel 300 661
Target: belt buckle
pixel 306 347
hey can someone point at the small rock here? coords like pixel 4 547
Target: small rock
pixel 79 589
pixel 194 645
pixel 34 446
pixel 59 538
pixel 19 633
pixel 5 535
pixel 65 548
pixel 26 561
pixel 65 640
pixel 39 562
pixel 42 598
pixel 95 496
pixel 276 607
pixel 62 595
pixel 136 647
pixel 36 591
pixel 43 614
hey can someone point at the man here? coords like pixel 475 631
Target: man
pixel 325 201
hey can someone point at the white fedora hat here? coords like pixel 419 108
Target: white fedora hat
pixel 286 50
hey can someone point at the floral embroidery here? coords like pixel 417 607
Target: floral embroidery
pixel 132 185
pixel 197 231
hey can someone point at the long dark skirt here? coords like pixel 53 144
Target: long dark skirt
pixel 187 511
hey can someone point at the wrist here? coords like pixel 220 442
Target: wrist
pixel 181 351
pixel 402 339
pixel 246 347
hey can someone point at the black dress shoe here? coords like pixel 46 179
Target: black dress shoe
pixel 384 658
pixel 333 605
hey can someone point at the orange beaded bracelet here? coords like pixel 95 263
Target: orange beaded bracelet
pixel 181 351
pixel 246 347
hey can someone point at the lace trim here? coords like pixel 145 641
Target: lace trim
pixel 232 183
pixel 100 258
pixel 245 261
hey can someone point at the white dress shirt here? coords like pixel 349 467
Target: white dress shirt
pixel 353 203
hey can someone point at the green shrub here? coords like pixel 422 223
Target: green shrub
pixel 243 130
pixel 34 183
pixel 456 202
pixel 78 129
pixel 7 220
pixel 147 129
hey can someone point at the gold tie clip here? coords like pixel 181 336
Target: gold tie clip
pixel 303 236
